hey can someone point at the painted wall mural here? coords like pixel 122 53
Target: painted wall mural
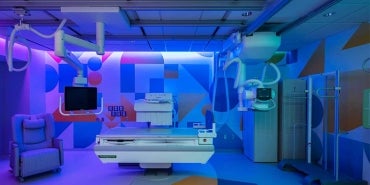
pixel 121 78
pixel 345 52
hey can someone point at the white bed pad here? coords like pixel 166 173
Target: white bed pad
pixel 152 146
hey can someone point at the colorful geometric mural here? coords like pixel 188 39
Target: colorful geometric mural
pixel 345 53
pixel 122 78
pixel 316 64
pixel 360 37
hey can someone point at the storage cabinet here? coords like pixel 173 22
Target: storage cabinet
pixel 260 134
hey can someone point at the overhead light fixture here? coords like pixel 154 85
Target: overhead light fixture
pixel 21 12
pixel 247 14
pixel 328 14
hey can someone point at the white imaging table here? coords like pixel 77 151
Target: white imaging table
pixel 155 147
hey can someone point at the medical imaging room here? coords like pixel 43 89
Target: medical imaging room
pixel 167 92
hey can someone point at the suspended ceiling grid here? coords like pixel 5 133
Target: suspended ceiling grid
pixel 139 25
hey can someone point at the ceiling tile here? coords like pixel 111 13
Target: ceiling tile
pixel 178 30
pixel 153 30
pixel 181 15
pixel 226 30
pixel 148 15
pixel 204 30
pixel 212 15
pixel 340 12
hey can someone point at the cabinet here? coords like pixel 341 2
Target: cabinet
pixel 260 134
pixel 292 119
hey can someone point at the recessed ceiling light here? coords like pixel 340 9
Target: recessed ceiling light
pixel 247 13
pixel 328 14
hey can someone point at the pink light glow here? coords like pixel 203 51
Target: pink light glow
pixel 19 51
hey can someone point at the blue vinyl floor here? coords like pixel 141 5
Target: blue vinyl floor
pixel 83 167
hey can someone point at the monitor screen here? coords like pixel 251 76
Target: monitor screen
pixel 80 98
pixel 264 94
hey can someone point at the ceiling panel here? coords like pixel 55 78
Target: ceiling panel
pixel 306 28
pixel 213 45
pixel 154 30
pixel 242 15
pixel 8 15
pixel 362 15
pixel 147 15
pixel 355 1
pixel 125 45
pixel 339 12
pixel 329 29
pixel 178 30
pixel 177 45
pixel 296 9
pixel 181 15
pixel 204 30
pixel 226 30
pixel 212 15
pixel 299 36
pixel 188 25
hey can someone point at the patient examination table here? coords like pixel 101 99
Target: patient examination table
pixel 155 147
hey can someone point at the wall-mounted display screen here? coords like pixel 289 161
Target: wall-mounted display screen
pixel 80 98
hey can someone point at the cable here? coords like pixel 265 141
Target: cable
pixel 226 92
pixel 364 65
pixel 10 44
pixel 278 75
pixel 10 62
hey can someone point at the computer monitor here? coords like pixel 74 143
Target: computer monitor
pixel 80 98
pixel 264 94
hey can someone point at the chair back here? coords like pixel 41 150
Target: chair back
pixel 33 131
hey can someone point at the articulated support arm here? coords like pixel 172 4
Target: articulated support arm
pixel 60 50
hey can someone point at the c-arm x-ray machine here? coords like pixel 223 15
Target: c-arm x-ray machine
pixel 60 38
pixel 59 47
pixel 251 50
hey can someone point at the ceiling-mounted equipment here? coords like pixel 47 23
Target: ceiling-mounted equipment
pixel 232 41
pixel 23 27
pixel 254 49
pixel 258 47
pixel 60 50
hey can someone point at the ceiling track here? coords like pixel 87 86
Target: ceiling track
pixel 256 5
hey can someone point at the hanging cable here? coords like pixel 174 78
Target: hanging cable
pixel 10 44
pixel 364 65
pixel 226 91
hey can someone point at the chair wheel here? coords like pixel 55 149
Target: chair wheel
pixel 58 170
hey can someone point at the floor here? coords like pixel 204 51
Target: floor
pixel 83 167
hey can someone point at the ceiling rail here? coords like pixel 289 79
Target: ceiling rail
pixel 139 4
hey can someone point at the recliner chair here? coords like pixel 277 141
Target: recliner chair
pixel 34 149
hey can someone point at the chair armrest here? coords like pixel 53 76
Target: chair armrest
pixel 58 143
pixel 14 157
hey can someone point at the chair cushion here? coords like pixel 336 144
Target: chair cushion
pixel 33 131
pixel 33 123
pixel 41 160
